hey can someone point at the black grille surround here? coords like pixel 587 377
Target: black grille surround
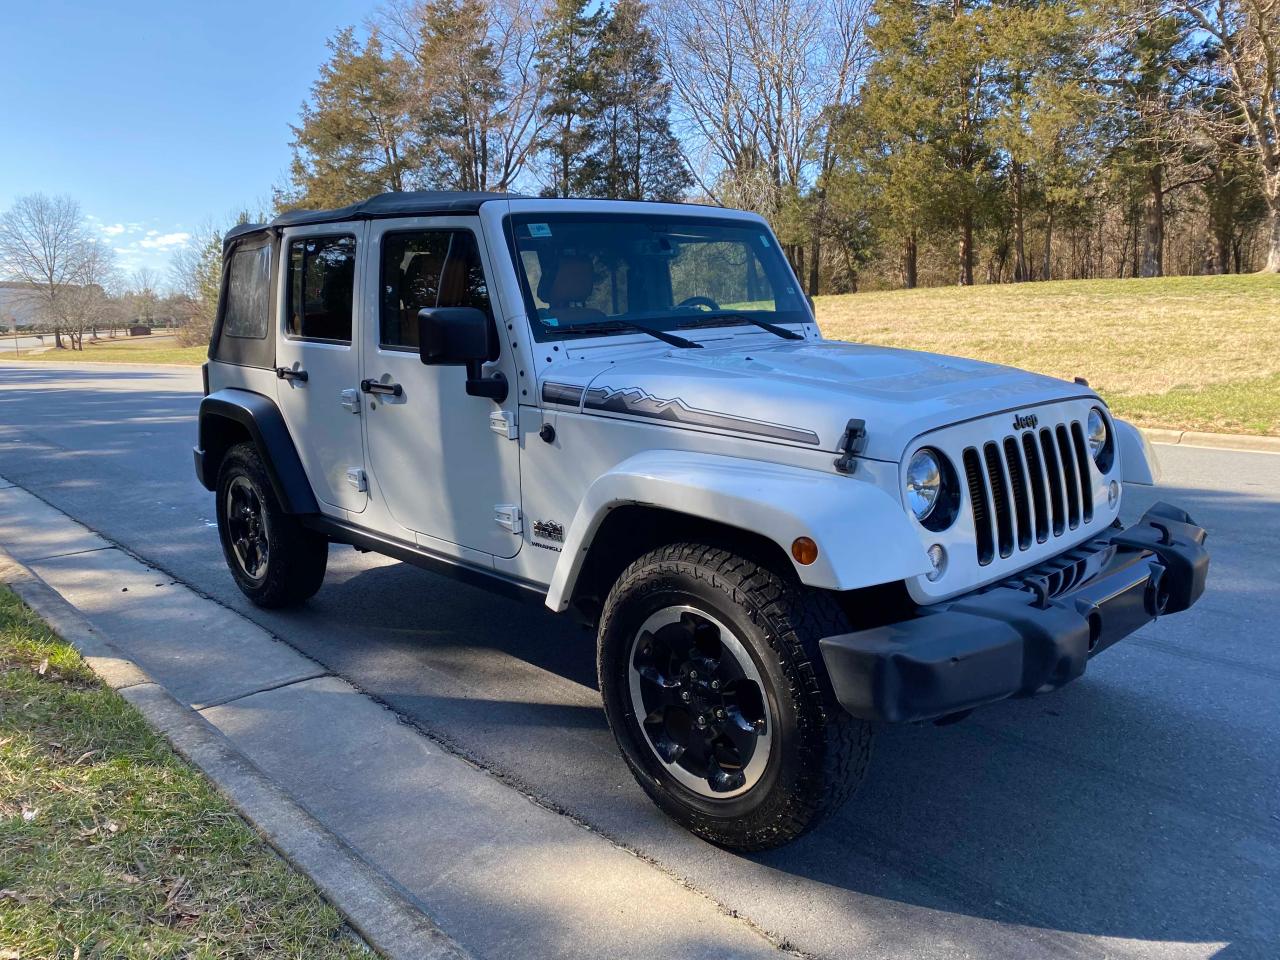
pixel 1028 488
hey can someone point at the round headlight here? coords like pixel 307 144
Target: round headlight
pixel 923 483
pixel 1097 434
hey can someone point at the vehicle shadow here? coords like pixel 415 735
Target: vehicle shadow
pixel 1139 803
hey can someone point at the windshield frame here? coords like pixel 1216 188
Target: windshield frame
pixel 543 333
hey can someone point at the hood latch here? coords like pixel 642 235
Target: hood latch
pixel 852 443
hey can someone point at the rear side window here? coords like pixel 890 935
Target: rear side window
pixel 245 313
pixel 432 268
pixel 322 274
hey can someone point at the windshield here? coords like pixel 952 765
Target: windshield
pixel 607 273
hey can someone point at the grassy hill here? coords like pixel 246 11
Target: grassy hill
pixel 1194 353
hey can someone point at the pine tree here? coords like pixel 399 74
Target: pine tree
pixel 355 135
pixel 462 89
pixel 634 155
pixel 566 62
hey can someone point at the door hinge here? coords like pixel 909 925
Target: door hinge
pixel 357 479
pixel 350 399
pixel 507 516
pixel 503 423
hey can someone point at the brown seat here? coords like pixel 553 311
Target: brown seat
pixel 567 290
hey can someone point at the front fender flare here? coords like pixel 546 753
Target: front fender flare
pixel 863 535
pixel 1138 462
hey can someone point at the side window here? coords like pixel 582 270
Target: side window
pixel 322 274
pixel 432 268
pixel 245 312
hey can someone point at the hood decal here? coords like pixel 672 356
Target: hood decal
pixel 636 402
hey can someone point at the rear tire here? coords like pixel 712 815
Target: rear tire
pixel 683 713
pixel 274 559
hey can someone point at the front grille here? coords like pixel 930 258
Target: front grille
pixel 1026 490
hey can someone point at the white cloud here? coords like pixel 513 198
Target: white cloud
pixel 163 241
pixel 112 229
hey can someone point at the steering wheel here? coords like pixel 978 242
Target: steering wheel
pixel 698 302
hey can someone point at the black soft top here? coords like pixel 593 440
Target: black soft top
pixel 408 203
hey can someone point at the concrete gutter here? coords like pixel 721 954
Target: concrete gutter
pixel 388 922
pixel 1214 441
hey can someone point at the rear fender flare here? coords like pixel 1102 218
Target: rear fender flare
pixel 863 535
pixel 263 421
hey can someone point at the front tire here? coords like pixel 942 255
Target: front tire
pixel 276 562
pixel 716 693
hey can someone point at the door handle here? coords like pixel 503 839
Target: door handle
pixel 383 389
pixel 285 373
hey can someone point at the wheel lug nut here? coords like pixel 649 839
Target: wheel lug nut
pixel 693 674
pixel 715 684
pixel 720 714
pixel 685 695
pixel 702 721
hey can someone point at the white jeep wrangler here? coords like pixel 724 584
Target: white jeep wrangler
pixel 626 410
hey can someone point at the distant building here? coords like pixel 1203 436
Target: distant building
pixel 19 305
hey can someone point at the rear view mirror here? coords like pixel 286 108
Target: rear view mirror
pixel 462 336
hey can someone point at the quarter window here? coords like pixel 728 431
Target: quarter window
pixel 245 314
pixel 433 268
pixel 322 273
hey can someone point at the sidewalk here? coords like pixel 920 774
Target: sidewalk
pixel 426 854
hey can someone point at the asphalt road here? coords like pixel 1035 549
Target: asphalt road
pixel 1134 813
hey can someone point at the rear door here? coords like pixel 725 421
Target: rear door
pixel 318 357
pixel 446 463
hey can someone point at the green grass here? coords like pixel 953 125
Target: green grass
pixel 159 349
pixel 1188 353
pixel 111 846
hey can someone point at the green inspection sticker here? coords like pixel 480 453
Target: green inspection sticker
pixel 539 230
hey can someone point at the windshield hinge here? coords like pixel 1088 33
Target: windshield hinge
pixel 851 444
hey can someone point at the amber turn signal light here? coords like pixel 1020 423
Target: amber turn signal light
pixel 804 550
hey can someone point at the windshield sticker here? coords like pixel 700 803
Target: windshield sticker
pixel 551 321
pixel 764 241
pixel 539 230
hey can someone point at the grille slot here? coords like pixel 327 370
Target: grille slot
pixel 999 499
pixel 978 500
pixel 1028 489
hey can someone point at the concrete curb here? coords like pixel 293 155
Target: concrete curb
pixel 1214 441
pixel 385 919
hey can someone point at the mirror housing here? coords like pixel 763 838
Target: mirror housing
pixel 462 336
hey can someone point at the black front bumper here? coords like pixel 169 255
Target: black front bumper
pixel 1027 635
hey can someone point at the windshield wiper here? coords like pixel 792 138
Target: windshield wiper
pixel 601 326
pixel 773 328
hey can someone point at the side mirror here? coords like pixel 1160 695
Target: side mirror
pixel 455 336
pixel 462 336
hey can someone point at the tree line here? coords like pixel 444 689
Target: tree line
pixel 898 142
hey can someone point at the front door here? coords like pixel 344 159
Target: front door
pixel 318 361
pixel 443 461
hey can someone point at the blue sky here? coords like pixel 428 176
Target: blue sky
pixel 157 116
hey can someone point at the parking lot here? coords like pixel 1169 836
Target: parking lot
pixel 1134 813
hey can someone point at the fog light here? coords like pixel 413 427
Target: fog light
pixel 938 558
pixel 1113 494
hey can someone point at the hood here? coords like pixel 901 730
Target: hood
pixel 803 393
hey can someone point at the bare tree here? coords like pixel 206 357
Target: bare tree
pixel 1240 76
pixel 195 272
pixel 754 80
pixel 45 244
